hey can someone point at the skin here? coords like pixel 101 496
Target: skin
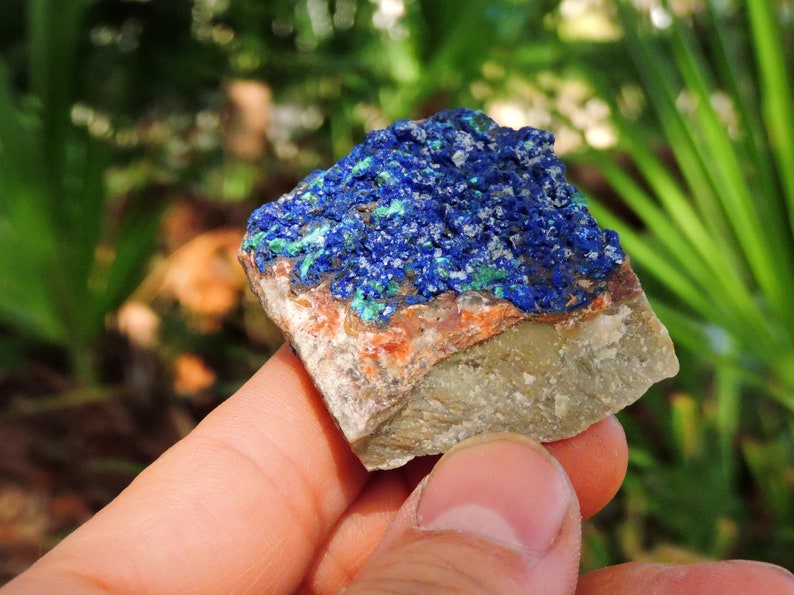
pixel 265 496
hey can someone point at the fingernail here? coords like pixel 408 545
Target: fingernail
pixel 509 490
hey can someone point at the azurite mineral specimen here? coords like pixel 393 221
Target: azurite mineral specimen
pixel 444 280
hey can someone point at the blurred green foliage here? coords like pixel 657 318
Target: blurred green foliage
pixel 108 106
pixel 54 285
pixel 711 185
pixel 719 209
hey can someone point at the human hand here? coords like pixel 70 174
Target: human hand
pixel 265 496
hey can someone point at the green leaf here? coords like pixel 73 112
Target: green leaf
pixel 764 241
pixel 54 30
pixel 82 203
pixel 27 248
pixel 777 93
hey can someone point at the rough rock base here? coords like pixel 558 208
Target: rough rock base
pixel 548 381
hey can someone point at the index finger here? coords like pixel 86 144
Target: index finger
pixel 240 504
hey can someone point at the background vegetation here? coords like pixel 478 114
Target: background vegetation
pixel 136 136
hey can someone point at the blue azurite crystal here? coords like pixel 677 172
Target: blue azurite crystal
pixel 452 203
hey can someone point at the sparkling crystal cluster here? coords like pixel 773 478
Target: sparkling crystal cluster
pixel 452 203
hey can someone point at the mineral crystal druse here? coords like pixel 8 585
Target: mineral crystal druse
pixel 444 280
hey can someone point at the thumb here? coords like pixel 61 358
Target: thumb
pixel 496 515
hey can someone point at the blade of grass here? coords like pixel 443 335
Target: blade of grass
pixel 27 248
pixel 737 79
pixel 60 402
pixel 17 146
pixel 72 165
pixel 54 28
pixel 663 93
pixel 764 244
pixel 678 209
pixel 663 90
pixel 83 214
pixel 777 95
pixel 727 392
pixel 687 427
